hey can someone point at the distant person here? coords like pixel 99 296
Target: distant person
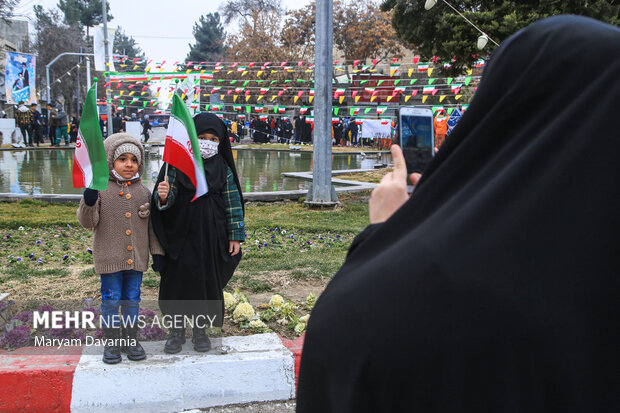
pixel 118 124
pixel 441 128
pixel 36 124
pixel 146 128
pixel 23 117
pixel 288 130
pixel 75 126
pixel 494 287
pixel 61 126
pixel 296 129
pixel 51 130
pixel 353 129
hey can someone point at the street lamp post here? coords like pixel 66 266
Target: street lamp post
pixel 321 193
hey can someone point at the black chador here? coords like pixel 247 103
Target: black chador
pixel 495 288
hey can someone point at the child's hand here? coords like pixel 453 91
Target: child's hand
pixel 234 247
pixel 162 190
pixel 90 196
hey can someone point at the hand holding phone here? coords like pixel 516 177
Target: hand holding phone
pixel 391 193
pixel 417 137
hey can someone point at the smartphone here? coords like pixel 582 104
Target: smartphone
pixel 417 137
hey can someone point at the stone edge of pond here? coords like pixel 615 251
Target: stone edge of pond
pixel 351 186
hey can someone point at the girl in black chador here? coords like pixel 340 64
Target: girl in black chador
pixel 201 238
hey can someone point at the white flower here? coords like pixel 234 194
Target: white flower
pixel 243 312
pixel 229 301
pixel 21 228
pixel 257 324
pixel 283 232
pixel 276 302
pixel 304 319
pixel 300 328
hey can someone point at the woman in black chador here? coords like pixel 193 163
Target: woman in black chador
pixel 201 238
pixel 495 288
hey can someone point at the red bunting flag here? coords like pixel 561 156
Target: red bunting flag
pixel 356 62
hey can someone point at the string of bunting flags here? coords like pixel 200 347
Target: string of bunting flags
pixel 403 82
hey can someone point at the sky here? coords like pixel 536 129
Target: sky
pixel 162 28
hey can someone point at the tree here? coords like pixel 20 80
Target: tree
pixel 52 38
pixel 6 9
pixel 298 34
pixel 259 28
pixel 126 45
pixel 88 13
pixel 209 35
pixel 443 33
pixel 361 31
pixel 248 11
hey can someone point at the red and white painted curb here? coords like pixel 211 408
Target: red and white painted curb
pixel 261 367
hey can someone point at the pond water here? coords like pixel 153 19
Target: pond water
pixel 48 171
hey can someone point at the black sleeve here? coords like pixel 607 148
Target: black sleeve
pixel 363 236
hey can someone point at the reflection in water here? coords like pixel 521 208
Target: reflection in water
pixel 49 171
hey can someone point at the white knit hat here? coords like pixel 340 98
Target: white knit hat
pixel 128 148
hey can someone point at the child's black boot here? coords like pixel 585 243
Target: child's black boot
pixel 200 340
pixel 112 352
pixel 175 341
pixel 134 349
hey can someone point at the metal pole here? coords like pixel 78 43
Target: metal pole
pixel 321 192
pixel 47 68
pixel 77 110
pixel 88 73
pixel 105 51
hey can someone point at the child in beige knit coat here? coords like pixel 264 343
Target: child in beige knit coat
pixel 123 238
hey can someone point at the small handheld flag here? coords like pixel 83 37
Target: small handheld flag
pixel 90 166
pixel 181 149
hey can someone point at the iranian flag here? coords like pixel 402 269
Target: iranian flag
pixel 181 149
pixel 90 166
pixel 423 67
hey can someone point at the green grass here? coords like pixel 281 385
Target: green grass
pixel 150 279
pixel 352 216
pixel 30 213
pixel 315 263
pixel 23 273
pixel 284 239
pixel 89 272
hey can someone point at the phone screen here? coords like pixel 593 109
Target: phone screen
pixel 416 138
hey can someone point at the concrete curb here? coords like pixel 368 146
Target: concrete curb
pixel 257 368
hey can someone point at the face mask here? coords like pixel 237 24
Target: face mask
pixel 120 178
pixel 207 148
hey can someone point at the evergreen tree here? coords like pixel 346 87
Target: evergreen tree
pixel 6 9
pixel 443 33
pixel 126 45
pixel 88 13
pixel 209 34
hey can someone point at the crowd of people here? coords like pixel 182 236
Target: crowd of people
pixel 35 128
